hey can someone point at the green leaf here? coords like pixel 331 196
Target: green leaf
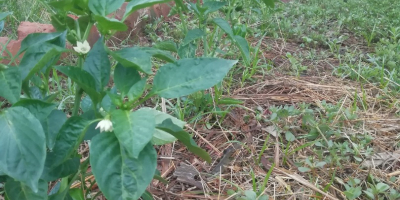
pixel 133 129
pixel 126 178
pixel 147 195
pixel 34 39
pixel 76 194
pixel 382 187
pixel 52 173
pixel 139 4
pixel 3 15
pixel 23 146
pixel 270 3
pixel 125 78
pixel 161 137
pixel 38 108
pixel 213 6
pixel 187 51
pixel 167 46
pixel 10 84
pixel 98 65
pixel 289 136
pixel 52 125
pixel 38 57
pixel 156 53
pixel 106 24
pixel 137 90
pixel 104 7
pixel 84 80
pixel 68 139
pixel 134 57
pixel 193 35
pixel 190 75
pixel 304 169
pixel 169 127
pixel 224 25
pixel 18 191
pixel 243 47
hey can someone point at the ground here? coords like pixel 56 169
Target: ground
pixel 319 110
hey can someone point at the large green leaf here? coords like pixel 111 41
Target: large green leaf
pixel 68 139
pixel 157 53
pixel 39 38
pixel 15 190
pixel 84 80
pixel 161 137
pixel 104 7
pixel 98 65
pixel 3 15
pixel 125 78
pixel 51 173
pixel 139 4
pixel 133 129
pixel 106 24
pixel 38 57
pixel 10 84
pixel 52 125
pixel 38 108
pixel 190 75
pixel 126 178
pixel 169 127
pixel 134 57
pixel 23 146
pixel 193 35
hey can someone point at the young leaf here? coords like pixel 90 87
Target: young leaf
pixel 16 190
pixel 23 143
pixel 52 125
pixel 270 3
pixel 134 57
pixel 156 53
pixel 190 75
pixel 139 4
pixel 137 90
pixel 167 46
pixel 243 47
pixel 106 24
pixel 187 51
pixel 192 35
pixel 147 195
pixel 224 25
pixel 77 194
pixel 133 129
pixel 104 7
pixel 98 65
pixel 169 127
pixel 10 84
pixel 68 139
pixel 126 177
pixel 213 6
pixel 38 108
pixel 125 78
pixel 83 79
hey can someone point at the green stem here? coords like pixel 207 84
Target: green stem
pixel 78 92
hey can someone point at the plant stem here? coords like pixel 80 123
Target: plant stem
pixel 78 92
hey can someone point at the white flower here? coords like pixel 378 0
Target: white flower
pixel 82 48
pixel 105 125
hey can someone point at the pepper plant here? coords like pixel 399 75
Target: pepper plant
pixel 39 143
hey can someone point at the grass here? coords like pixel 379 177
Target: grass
pixel 320 102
